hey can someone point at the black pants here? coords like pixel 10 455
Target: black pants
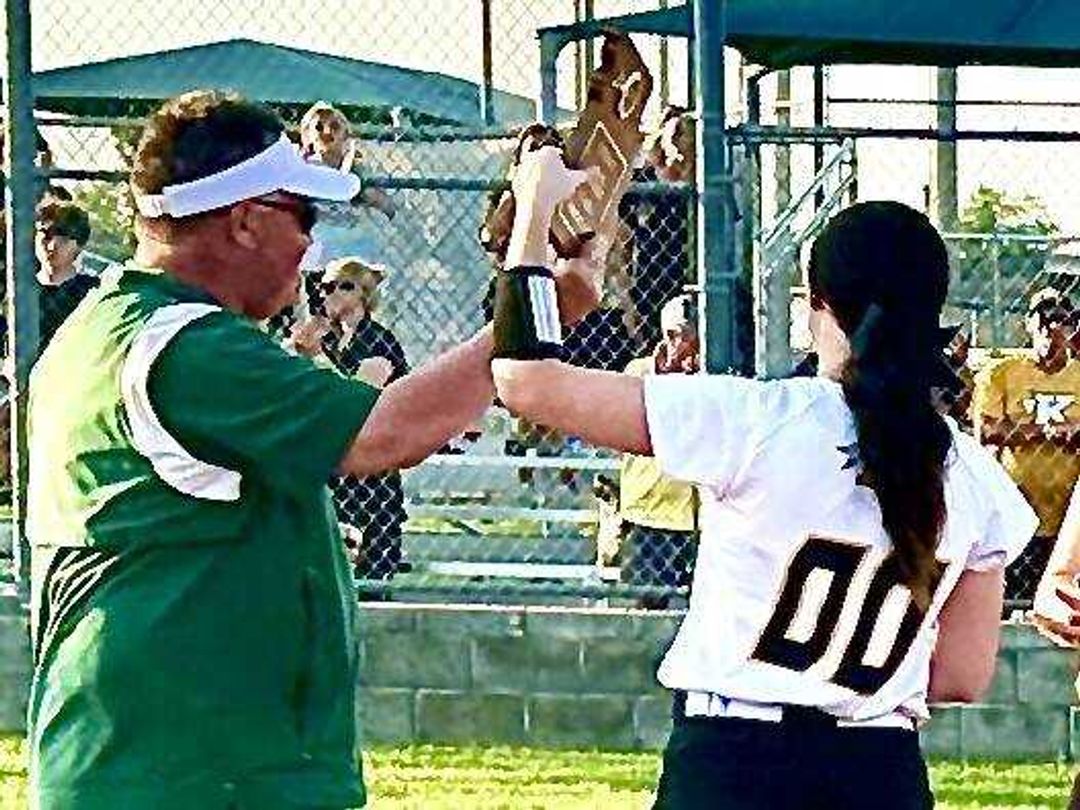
pixel 376 506
pixel 803 763
pixel 663 557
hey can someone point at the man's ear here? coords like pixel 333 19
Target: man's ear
pixel 244 226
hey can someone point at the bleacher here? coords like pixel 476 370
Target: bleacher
pixel 472 517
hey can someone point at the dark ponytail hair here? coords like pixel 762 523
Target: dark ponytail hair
pixel 882 269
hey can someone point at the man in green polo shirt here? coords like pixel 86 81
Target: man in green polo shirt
pixel 195 626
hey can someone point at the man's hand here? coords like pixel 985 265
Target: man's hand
pixel 307 336
pixel 1056 612
pixel 375 371
pixel 541 181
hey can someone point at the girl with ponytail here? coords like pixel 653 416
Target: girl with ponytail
pixel 852 539
pixel 889 301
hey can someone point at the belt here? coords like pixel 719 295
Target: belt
pixel 712 705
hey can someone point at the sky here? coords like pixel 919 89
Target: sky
pixel 444 36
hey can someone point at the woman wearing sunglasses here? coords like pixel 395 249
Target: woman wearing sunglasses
pixel 352 341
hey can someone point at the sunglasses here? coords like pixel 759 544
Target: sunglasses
pixel 304 211
pixel 54 232
pixel 1051 315
pixel 332 286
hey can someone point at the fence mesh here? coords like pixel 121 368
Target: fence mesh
pixel 511 508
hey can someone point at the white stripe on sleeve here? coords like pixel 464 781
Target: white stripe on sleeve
pixel 545 309
pixel 175 465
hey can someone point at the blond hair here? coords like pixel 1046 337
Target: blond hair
pixel 317 110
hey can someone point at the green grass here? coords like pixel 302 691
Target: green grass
pixel 441 778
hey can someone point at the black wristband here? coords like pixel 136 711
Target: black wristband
pixel 527 314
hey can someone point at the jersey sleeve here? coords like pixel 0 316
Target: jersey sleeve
pixel 1009 521
pixel 232 395
pixel 705 428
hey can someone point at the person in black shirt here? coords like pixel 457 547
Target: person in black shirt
pixel 600 340
pixel 660 251
pixel 356 345
pixel 62 230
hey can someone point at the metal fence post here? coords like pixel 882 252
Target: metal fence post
pixel 996 340
pixel 550 44
pixel 487 92
pixel 22 303
pixel 714 267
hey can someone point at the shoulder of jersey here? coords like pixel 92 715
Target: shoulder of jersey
pixel 804 390
pixel 967 452
pixel 779 402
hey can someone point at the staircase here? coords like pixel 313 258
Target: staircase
pixel 777 251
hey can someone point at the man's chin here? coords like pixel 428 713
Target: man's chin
pixel 270 308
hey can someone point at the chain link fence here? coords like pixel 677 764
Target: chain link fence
pixel 1012 301
pixel 433 104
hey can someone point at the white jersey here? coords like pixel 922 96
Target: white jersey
pixel 795 598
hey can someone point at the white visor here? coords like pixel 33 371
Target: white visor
pixel 279 167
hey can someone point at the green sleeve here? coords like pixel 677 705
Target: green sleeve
pixel 233 397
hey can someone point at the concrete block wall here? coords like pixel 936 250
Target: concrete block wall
pixel 1028 712
pixel 586 678
pixel 523 676
pixel 14 664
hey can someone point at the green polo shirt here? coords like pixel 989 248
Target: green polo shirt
pixel 195 626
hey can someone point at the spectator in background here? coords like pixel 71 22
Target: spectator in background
pixel 659 514
pixel 659 252
pixel 1026 405
pixel 343 229
pixel 354 343
pixel 62 230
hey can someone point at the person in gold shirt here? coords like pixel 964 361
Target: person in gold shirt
pixel 1028 406
pixel 659 514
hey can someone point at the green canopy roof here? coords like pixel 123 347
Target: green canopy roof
pixel 272 74
pixel 783 33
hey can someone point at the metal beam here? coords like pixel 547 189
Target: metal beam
pixel 22 298
pixel 716 278
pixel 487 94
pixel 551 42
